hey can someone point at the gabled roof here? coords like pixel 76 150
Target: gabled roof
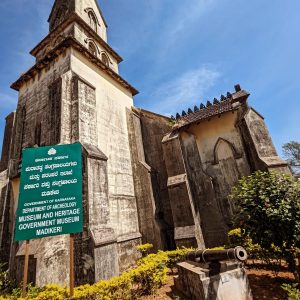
pixel 226 104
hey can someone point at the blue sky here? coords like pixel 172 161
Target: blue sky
pixel 179 53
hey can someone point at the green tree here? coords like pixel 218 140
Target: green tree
pixel 291 152
pixel 267 209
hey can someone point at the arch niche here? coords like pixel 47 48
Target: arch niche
pixel 225 155
pixel 93 20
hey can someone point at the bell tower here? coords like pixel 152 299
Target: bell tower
pixel 74 93
pixel 89 11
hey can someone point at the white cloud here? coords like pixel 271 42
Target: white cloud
pixel 182 22
pixel 179 93
pixel 189 13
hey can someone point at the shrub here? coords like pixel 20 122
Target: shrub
pixel 237 237
pixel 50 292
pixel 4 282
pixel 144 249
pixel 218 248
pixel 267 209
pixel 115 288
pixel 149 275
pixel 271 256
pixel 292 291
pixel 176 256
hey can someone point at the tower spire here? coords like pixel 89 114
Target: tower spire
pixel 61 10
pixel 88 10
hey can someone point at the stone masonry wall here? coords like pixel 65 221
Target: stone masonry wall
pixel 188 231
pixel 207 212
pixel 260 148
pixel 150 179
pixel 112 139
pixel 10 120
pixel 154 127
pixel 38 123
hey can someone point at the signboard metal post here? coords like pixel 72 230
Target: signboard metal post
pixel 71 265
pixel 25 274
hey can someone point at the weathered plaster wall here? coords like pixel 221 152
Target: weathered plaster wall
pixel 203 195
pixel 38 123
pixel 7 139
pixel 58 106
pixel 112 139
pixel 57 38
pixel 60 12
pixel 207 160
pixel 53 258
pixel 3 179
pixel 223 156
pixel 97 216
pixel 208 133
pixel 4 217
pixel 154 127
pixel 65 98
pixel 260 148
pixel 8 207
pixel 37 109
pixel 146 131
pixel 188 231
pixel 83 37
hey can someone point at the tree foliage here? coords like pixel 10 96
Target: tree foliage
pixel 291 152
pixel 267 209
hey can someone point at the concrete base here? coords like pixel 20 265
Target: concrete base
pixel 219 281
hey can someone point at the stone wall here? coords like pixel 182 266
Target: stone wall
pixel 224 160
pixel 83 37
pixel 38 111
pixel 203 194
pixel 38 122
pixel 5 225
pixel 82 5
pixel 70 96
pixel 260 148
pixel 188 231
pixel 146 131
pixel 207 160
pixel 7 141
pixel 154 127
pixel 112 139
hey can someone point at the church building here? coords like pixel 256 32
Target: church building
pixel 147 178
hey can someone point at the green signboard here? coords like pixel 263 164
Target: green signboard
pixel 50 199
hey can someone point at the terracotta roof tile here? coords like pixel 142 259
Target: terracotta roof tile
pixel 225 104
pixel 206 113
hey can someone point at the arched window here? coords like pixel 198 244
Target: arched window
pixel 105 59
pixel 93 21
pixel 92 48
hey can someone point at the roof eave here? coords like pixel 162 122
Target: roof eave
pixel 73 18
pixel 68 42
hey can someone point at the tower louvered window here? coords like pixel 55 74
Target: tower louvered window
pixel 93 21
pixel 92 48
